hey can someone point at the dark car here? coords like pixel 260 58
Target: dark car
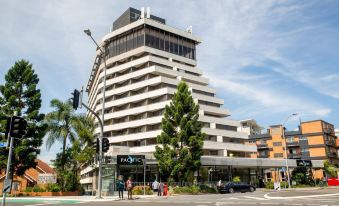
pixel 232 187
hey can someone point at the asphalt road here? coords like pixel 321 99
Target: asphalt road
pixel 321 197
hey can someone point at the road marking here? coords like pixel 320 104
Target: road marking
pixel 269 203
pixel 256 198
pixel 297 197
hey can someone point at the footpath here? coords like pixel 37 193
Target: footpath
pixel 309 190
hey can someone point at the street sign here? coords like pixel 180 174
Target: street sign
pixel 3 144
pixel 7 186
pixel 46 178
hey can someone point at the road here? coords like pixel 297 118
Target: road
pixel 320 197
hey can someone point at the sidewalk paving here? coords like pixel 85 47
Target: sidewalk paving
pixel 83 198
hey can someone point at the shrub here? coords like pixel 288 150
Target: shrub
pixel 269 185
pixel 53 188
pixel 207 189
pixel 28 189
pixel 139 190
pixel 236 179
pixel 36 188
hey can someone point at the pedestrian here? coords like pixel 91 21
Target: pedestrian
pixel 219 183
pixel 155 186
pixel 121 187
pixel 160 188
pixel 165 189
pixel 129 186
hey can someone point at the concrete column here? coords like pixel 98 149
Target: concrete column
pixel 219 138
pixel 222 153
pixel 213 125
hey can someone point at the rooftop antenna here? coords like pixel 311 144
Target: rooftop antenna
pixel 189 29
pixel 142 13
pixel 148 12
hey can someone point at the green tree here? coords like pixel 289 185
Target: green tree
pixel 20 95
pixel 61 123
pixel 80 152
pixel 330 169
pixel 181 139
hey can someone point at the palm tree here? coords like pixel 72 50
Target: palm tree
pixel 61 122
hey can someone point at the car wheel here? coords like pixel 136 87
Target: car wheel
pixel 231 190
pixel 251 189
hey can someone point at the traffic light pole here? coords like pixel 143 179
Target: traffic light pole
pixel 9 162
pixel 98 195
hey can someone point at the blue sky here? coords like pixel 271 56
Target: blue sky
pixel 267 59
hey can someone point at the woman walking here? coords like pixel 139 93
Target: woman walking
pixel 129 185
pixel 121 187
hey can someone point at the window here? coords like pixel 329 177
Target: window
pixel 304 150
pixel 278 155
pixel 302 138
pixel 276 144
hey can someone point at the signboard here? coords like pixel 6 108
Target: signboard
pixel 7 186
pixel 3 144
pixel 46 178
pixel 304 163
pixel 130 159
pixel 276 185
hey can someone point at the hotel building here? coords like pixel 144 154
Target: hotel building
pixel 146 59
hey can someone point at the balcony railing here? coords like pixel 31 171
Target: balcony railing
pixel 262 146
pixel 330 142
pixel 294 156
pixel 263 155
pixel 328 130
pixel 332 154
pixel 292 144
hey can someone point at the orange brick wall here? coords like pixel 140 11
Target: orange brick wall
pixel 316 140
pixel 317 152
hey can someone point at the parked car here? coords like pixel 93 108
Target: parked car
pixel 232 187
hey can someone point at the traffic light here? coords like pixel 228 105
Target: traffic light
pixel 105 144
pixel 18 126
pixel 97 146
pixel 75 99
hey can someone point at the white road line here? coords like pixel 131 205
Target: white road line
pixel 256 198
pixel 297 197
pixel 269 203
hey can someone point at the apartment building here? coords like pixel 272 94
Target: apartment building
pixel 314 140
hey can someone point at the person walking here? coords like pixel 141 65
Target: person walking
pixel 160 188
pixel 129 186
pixel 155 186
pixel 121 187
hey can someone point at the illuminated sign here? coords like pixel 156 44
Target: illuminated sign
pixel 130 159
pixel 304 163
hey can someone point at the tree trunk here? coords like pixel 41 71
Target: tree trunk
pixel 63 163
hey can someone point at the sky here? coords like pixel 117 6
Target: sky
pixel 266 58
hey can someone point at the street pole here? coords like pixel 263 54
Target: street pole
pixel 9 162
pixel 286 158
pixel 102 57
pixel 144 176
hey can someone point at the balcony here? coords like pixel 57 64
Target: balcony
pixel 294 156
pixel 292 144
pixel 331 143
pixel 263 155
pixel 328 130
pixel 332 155
pixel 262 146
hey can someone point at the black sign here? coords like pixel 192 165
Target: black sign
pixel 130 159
pixel 304 163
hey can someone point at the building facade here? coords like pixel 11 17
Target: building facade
pixel 146 60
pixel 314 140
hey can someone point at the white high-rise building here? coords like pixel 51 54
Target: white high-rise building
pixel 146 60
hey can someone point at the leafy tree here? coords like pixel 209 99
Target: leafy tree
pixel 181 139
pixel 20 95
pixel 330 169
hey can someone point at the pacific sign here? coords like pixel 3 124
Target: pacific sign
pixel 130 159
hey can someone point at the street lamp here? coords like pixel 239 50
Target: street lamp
pixel 102 57
pixel 284 137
